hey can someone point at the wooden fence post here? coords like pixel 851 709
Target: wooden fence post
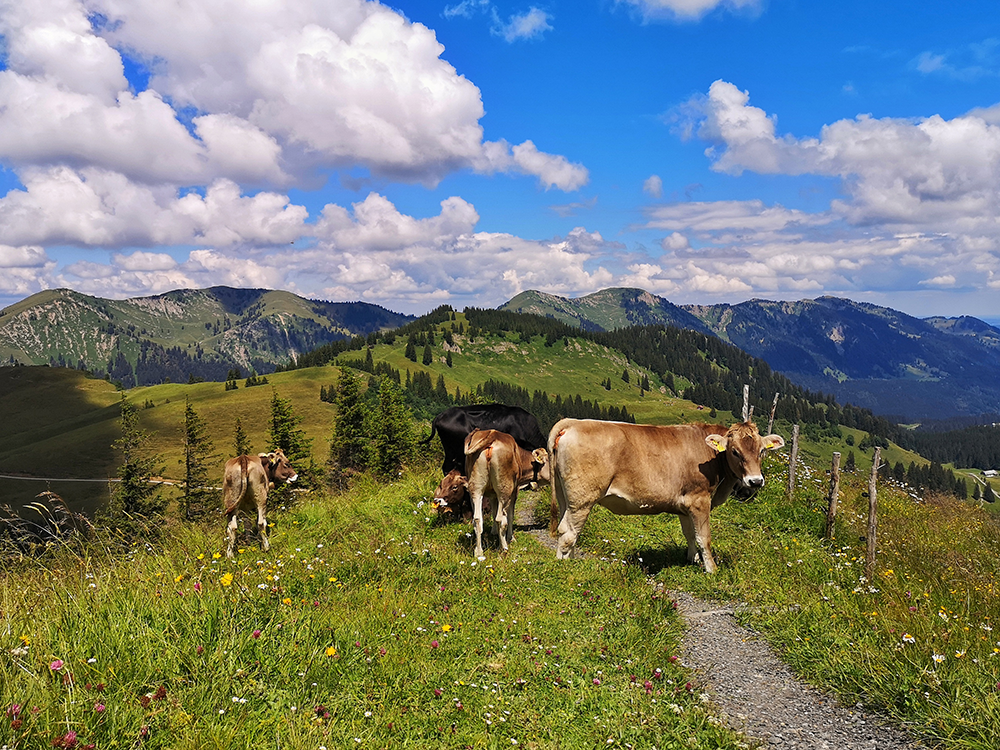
pixel 831 510
pixel 770 422
pixel 870 537
pixel 792 459
pixel 746 402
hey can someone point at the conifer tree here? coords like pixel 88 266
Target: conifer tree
pixel 849 464
pixel 241 442
pixel 394 441
pixel 976 494
pixel 988 495
pixel 198 497
pixel 411 349
pixel 428 354
pixel 447 359
pixel 350 442
pixel 136 506
pixel 286 434
pixel 625 375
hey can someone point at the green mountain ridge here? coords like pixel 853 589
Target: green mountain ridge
pixel 188 332
pixel 864 354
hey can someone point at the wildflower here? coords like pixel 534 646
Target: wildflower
pixel 99 707
pixel 907 638
pixel 331 650
pixel 434 644
pixel 197 586
pixel 445 628
pixel 438 692
pixel 960 654
pixel 255 634
pixel 286 601
pixel 25 640
pixel 596 682
pixel 938 658
pixel 179 578
pixel 227 579
pixel 216 555
pixel 56 665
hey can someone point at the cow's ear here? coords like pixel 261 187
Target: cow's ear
pixel 266 459
pixel 716 442
pixel 539 455
pixel 773 442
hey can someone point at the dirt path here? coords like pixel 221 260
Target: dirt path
pixel 754 691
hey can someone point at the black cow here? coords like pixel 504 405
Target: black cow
pixel 453 424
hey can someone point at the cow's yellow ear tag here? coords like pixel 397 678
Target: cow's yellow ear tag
pixel 716 443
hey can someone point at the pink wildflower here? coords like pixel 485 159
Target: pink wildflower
pixel 56 665
pixel 255 634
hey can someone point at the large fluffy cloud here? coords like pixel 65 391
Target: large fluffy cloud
pixel 260 93
pixel 927 172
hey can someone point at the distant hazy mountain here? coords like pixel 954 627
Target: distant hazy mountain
pixel 871 356
pixel 200 332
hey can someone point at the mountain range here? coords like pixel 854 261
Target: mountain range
pixel 187 333
pixel 896 365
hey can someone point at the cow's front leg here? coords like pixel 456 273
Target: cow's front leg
pixel 703 539
pixel 687 526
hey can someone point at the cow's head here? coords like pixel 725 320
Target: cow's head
pixel 743 447
pixel 540 465
pixel 277 467
pixel 448 496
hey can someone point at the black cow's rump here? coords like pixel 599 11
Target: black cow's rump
pixel 455 423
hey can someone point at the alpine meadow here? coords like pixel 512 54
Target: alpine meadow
pixel 370 623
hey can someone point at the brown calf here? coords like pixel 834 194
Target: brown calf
pixel 496 465
pixel 247 479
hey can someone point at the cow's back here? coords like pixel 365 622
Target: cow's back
pixel 241 476
pixel 649 465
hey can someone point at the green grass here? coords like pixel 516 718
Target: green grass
pixel 368 625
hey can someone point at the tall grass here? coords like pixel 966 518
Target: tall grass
pixel 369 624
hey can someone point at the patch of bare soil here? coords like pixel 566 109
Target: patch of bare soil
pixel 754 691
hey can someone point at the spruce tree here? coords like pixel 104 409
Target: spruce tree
pixel 286 435
pixel 136 506
pixel 393 436
pixel 411 350
pixel 988 495
pixel 241 442
pixel 428 354
pixel 849 464
pixel 199 498
pixel 350 442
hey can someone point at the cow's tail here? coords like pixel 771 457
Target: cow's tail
pixel 556 482
pixel 234 499
pixel 430 437
pixel 477 440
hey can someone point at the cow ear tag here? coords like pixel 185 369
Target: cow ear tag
pixel 715 441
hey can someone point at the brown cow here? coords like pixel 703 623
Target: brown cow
pixel 247 479
pixel 644 469
pixel 495 464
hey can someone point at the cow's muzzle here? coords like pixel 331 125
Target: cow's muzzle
pixel 753 482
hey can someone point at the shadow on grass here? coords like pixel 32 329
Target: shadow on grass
pixel 653 560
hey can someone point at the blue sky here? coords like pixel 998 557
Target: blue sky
pixel 420 153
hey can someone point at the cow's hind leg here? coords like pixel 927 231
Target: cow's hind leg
pixel 232 522
pixel 477 521
pixel 262 518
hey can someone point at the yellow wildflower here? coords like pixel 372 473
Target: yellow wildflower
pixel 331 650
pixel 227 579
